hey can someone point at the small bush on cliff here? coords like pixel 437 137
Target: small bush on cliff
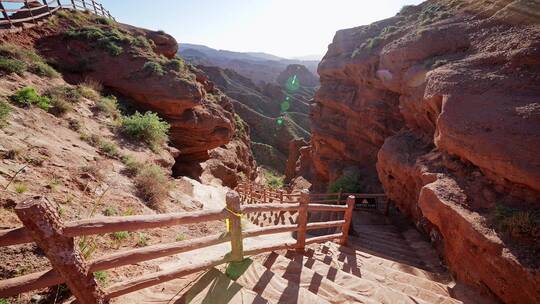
pixel 28 96
pixel 62 98
pixel 348 182
pixel 239 126
pixel 107 39
pixel 152 68
pixel 5 109
pixel 273 179
pixel 148 127
pixel 152 185
pixel 176 64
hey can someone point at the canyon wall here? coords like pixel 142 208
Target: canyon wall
pixel 439 107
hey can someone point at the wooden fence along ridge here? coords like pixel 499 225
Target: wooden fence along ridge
pixel 43 226
pixel 33 11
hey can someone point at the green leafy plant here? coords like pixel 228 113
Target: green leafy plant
pixel 181 237
pixel 152 185
pixel 132 165
pixel 43 69
pixel 5 110
pixel 176 64
pixel 16 59
pixel 152 68
pixel 28 96
pixel 108 148
pixel 147 127
pixel 4 301
pixel 109 39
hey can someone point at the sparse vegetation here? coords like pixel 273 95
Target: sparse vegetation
pixel 90 89
pixel 176 64
pixel 152 68
pixel 62 98
pixel 120 235
pixel 152 185
pixel 109 106
pixel 4 301
pixel 5 110
pixel 132 165
pixel 142 42
pixel 110 211
pixel 102 277
pixel 21 188
pixel 181 237
pixel 28 96
pixel 521 225
pixel 348 182
pixel 16 59
pixel 240 126
pixel 142 240
pixel 273 179
pixel 12 66
pixel 87 246
pixel 147 127
pixel 108 39
pixel 74 124
pixel 108 148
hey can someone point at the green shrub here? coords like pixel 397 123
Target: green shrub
pixel 110 211
pixel 107 39
pixel 108 148
pixel 4 301
pixel 109 106
pixel 102 277
pixel 90 89
pixel 152 185
pixel 176 64
pixel 62 98
pixel 5 109
pixel 104 21
pixel 21 188
pixel 153 68
pixel 348 183
pixel 143 42
pixel 12 66
pixel 273 179
pixel 28 96
pixel 181 237
pixel 516 223
pixel 142 240
pixel 132 165
pixel 43 69
pixel 16 59
pixel 239 126
pixel 120 235
pixel 148 127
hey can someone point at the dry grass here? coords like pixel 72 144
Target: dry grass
pixel 153 185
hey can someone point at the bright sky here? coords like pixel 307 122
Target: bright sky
pixel 286 28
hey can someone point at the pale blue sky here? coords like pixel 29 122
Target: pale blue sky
pixel 285 28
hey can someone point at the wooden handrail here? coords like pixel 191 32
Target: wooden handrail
pixel 51 7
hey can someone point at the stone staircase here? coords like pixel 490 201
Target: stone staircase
pixel 383 263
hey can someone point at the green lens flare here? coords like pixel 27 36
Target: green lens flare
pixel 280 121
pixel 285 106
pixel 293 84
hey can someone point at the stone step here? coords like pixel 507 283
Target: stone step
pixel 428 291
pixel 274 288
pixel 390 255
pixel 352 260
pixel 216 287
pixel 388 249
pixel 357 290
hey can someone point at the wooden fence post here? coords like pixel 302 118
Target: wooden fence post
pixel 264 194
pixel 302 221
pixel 73 3
pixel 39 216
pixel 47 5
pixel 30 11
pixel 95 7
pixel 348 220
pixel 281 196
pixel 232 200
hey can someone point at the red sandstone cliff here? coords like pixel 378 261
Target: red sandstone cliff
pixel 438 106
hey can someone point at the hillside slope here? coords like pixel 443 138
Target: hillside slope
pixel 438 107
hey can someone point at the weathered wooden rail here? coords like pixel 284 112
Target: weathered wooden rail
pixel 43 226
pixel 34 11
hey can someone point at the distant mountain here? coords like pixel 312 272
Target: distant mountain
pixel 261 68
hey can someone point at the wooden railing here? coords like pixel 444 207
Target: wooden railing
pixel 30 13
pixel 42 225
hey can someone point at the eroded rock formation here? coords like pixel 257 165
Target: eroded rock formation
pixel 439 107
